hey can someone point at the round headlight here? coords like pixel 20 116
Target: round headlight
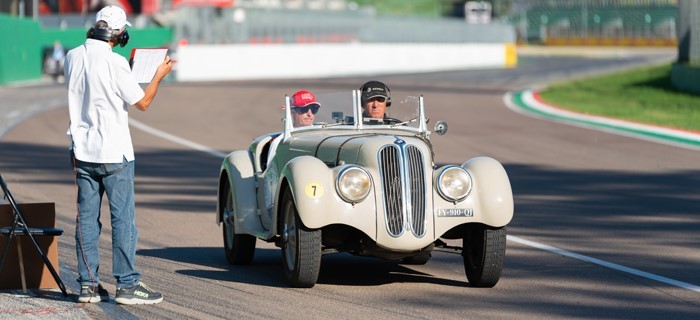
pixel 353 184
pixel 454 183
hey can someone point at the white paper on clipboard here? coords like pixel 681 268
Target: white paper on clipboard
pixel 146 62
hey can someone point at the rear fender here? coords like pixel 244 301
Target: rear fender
pixel 238 169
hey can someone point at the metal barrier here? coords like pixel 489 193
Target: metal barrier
pixel 596 22
pixel 688 30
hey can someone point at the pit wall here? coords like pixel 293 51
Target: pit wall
pixel 289 61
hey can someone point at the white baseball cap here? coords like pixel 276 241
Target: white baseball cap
pixel 114 16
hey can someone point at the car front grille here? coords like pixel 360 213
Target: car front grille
pixel 403 181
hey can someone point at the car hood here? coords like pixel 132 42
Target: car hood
pixel 352 149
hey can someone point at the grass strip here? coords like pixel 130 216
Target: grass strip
pixel 643 95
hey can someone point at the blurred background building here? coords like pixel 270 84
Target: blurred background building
pixel 562 22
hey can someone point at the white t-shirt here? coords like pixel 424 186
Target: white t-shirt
pixel 101 87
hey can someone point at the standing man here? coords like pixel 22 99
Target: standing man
pixel 101 88
pixel 57 55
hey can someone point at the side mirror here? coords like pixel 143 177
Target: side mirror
pixel 440 127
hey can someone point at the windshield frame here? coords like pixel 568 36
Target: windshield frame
pixel 358 123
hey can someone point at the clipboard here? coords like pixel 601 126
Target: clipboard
pixel 145 62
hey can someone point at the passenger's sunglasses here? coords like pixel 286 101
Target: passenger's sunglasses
pixel 303 110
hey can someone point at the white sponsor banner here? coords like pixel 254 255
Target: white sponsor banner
pixel 296 61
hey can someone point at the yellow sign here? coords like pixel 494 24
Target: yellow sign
pixel 314 190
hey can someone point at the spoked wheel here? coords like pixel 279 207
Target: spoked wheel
pixel 484 249
pixel 301 247
pixel 239 248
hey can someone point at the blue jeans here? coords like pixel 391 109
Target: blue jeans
pixel 93 180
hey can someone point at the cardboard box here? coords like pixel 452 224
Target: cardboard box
pixel 37 274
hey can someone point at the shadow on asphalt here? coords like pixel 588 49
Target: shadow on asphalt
pixel 170 174
pixel 547 200
pixel 266 268
pixel 586 192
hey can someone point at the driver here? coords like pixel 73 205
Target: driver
pixel 304 109
pixel 376 97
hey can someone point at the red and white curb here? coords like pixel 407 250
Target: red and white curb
pixel 528 102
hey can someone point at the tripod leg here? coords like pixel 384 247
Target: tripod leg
pixel 4 252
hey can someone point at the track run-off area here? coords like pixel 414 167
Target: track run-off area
pixel 605 224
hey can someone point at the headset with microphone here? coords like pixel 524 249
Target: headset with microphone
pixel 105 34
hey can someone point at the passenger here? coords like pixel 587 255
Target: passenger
pixel 304 109
pixel 376 97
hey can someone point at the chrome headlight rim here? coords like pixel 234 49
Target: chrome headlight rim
pixel 442 193
pixel 342 174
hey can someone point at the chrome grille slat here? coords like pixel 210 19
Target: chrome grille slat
pixel 403 183
pixel 414 160
pixel 391 182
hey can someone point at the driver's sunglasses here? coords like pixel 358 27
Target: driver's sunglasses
pixel 378 99
pixel 303 110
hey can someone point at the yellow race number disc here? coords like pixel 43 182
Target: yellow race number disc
pixel 314 190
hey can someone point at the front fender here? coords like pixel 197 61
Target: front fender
pixel 312 185
pixel 490 201
pixel 492 187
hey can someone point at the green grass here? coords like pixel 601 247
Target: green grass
pixel 642 95
pixel 426 8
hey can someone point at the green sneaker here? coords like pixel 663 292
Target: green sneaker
pixel 92 294
pixel 138 294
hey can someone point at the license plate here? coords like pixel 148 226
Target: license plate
pixel 455 212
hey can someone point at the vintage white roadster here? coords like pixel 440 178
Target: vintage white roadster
pixel 365 186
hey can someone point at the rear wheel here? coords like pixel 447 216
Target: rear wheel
pixel 239 248
pixel 483 250
pixel 301 247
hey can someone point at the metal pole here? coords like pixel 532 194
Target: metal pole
pixel 584 19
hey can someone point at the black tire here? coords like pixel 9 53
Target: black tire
pixel 301 247
pixel 239 248
pixel 419 259
pixel 483 250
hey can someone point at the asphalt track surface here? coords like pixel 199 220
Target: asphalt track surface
pixel 601 220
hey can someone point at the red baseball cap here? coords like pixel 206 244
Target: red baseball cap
pixel 304 98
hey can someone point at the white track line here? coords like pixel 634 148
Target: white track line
pixel 605 264
pixel 176 139
pixel 533 244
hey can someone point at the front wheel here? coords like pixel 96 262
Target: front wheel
pixel 301 247
pixel 239 248
pixel 483 250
